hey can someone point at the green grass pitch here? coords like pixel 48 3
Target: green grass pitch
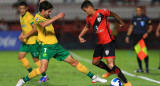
pixel 62 74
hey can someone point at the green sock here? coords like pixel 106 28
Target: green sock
pixel 29 70
pixel 43 74
pixel 90 74
pixel 26 79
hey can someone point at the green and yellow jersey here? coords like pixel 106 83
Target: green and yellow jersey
pixel 46 35
pixel 26 22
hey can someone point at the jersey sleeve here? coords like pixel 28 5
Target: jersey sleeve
pixel 106 12
pixel 87 20
pixel 149 22
pixel 37 20
pixel 30 19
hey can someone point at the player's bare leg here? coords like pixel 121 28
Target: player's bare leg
pixel 34 73
pixel 36 59
pixel 97 62
pixel 38 71
pixel 71 61
pixel 21 55
pixel 24 61
pixel 44 77
pixel 44 65
pixel 83 69
pixel 110 63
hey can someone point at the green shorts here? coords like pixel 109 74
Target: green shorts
pixel 32 48
pixel 55 50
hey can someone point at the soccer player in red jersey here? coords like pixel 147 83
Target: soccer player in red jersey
pixel 98 20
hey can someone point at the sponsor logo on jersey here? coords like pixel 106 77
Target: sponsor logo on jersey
pixel 99 31
pixel 23 25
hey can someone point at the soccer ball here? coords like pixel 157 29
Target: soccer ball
pixel 116 82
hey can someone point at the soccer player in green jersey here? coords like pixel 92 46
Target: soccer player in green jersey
pixel 29 42
pixel 50 48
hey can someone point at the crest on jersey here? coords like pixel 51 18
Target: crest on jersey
pixel 99 18
pixel 44 54
pixel 107 52
pixel 142 23
pixel 97 22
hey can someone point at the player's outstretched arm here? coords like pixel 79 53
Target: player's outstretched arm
pixel 53 19
pixel 85 29
pixel 129 33
pixel 112 14
pixel 158 30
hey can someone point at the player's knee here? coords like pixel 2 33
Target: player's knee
pixel 110 66
pixel 95 62
pixel 75 63
pixel 35 59
pixel 20 57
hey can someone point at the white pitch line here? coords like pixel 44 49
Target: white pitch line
pixel 126 73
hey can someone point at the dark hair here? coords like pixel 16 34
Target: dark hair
pixel 86 3
pixel 22 3
pixel 140 7
pixel 45 5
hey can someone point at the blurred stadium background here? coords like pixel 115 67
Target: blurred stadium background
pixel 67 32
pixel 68 29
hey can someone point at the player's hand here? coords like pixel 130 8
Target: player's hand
pixel 42 1
pixel 82 40
pixel 60 15
pixel 23 37
pixel 122 25
pixel 127 40
pixel 20 38
pixel 145 35
pixel 157 34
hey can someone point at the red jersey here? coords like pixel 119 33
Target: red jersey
pixel 100 24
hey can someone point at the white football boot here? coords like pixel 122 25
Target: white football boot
pixel 20 83
pixel 97 79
